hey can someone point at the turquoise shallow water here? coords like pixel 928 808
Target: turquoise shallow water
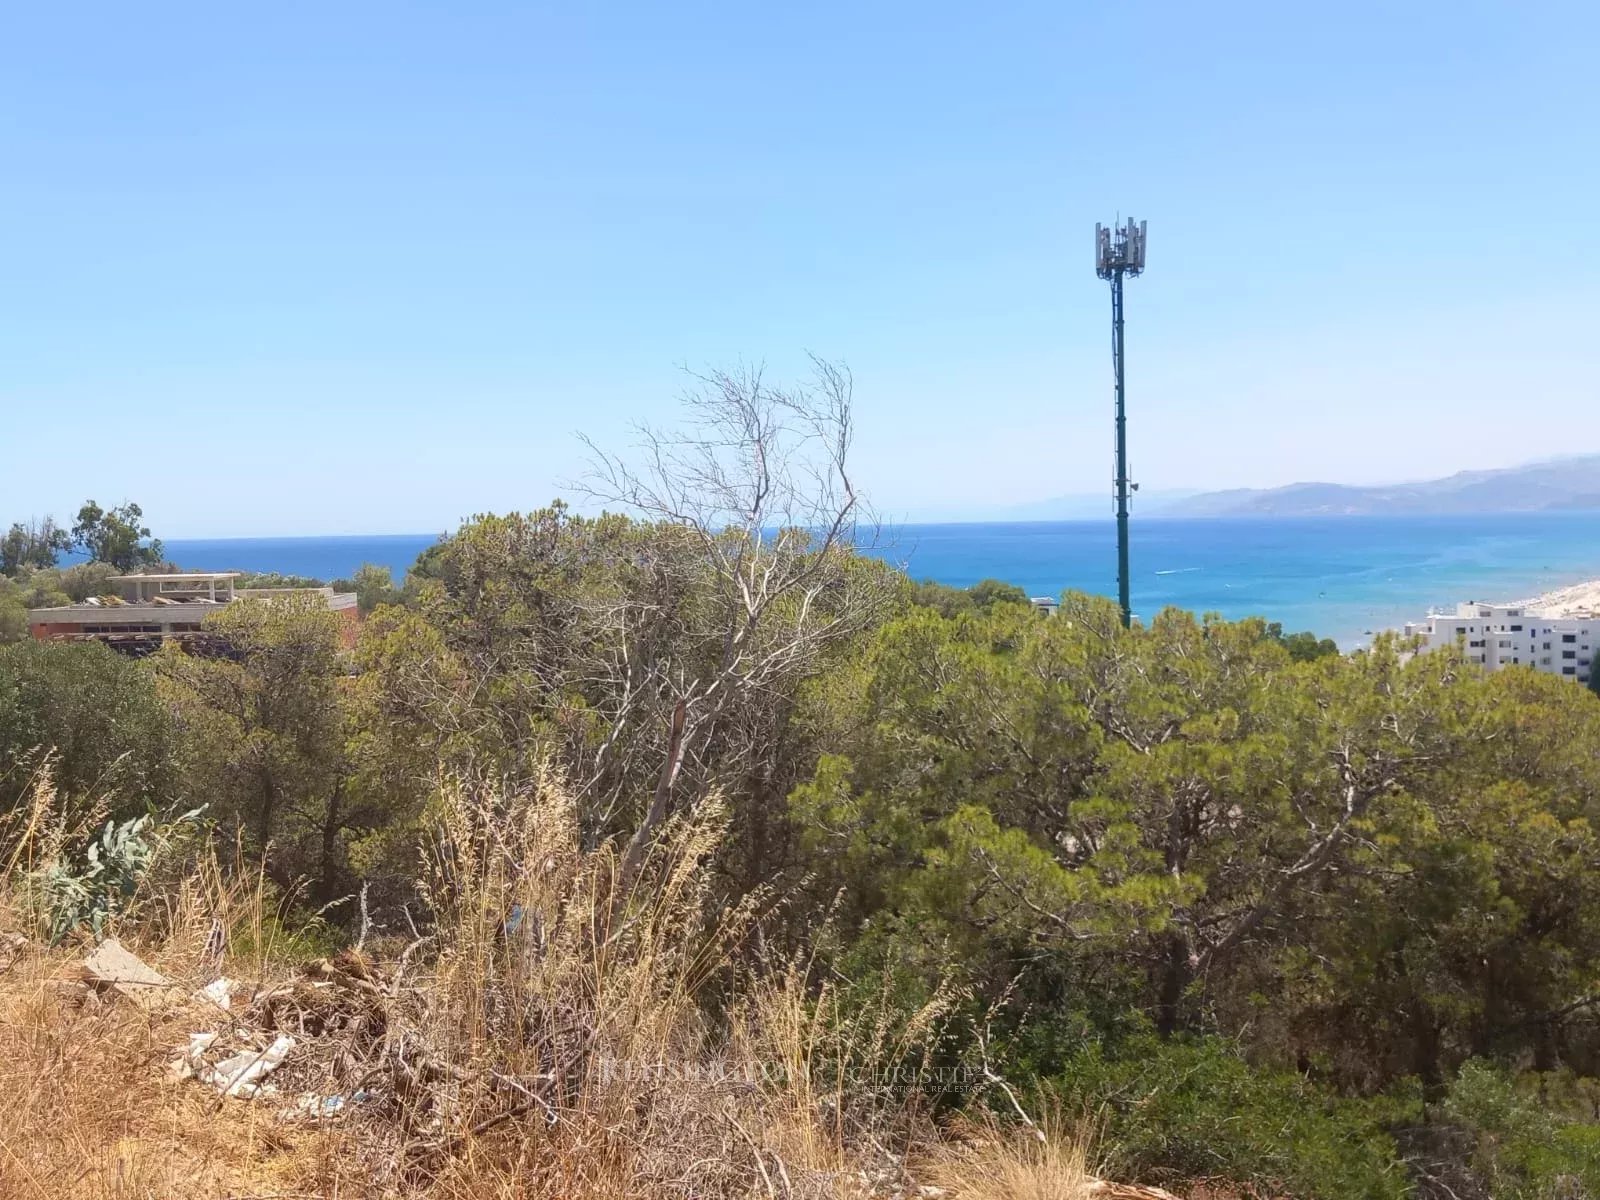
pixel 1339 576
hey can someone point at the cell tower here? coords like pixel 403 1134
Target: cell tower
pixel 1119 251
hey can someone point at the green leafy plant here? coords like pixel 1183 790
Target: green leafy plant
pixel 88 891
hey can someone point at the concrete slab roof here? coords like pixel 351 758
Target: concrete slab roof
pixel 199 576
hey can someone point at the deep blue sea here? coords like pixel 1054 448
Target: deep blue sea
pixel 1338 576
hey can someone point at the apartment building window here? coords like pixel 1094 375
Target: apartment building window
pixel 1569 670
pixel 1477 645
pixel 1569 654
pixel 1569 638
pixel 1516 629
pixel 1547 645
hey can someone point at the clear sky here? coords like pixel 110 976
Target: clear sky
pixel 367 267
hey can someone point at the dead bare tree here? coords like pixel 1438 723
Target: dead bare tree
pixel 757 481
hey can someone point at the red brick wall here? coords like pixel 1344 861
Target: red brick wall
pixel 45 630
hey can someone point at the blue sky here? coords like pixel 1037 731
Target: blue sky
pixel 368 267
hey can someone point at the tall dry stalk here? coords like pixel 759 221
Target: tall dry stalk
pixel 579 991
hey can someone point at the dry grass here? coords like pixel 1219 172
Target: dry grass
pixel 594 1009
pixel 569 1053
pixel 991 1161
pixel 86 1108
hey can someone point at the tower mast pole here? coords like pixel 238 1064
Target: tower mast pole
pixel 1119 252
pixel 1123 585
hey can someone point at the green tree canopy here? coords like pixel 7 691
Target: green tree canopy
pixel 1227 839
pixel 34 545
pixel 275 579
pixel 1303 646
pixel 951 601
pixel 13 613
pixel 96 711
pixel 373 585
pixel 263 733
pixel 116 536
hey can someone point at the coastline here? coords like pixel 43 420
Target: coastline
pixel 1576 600
pixel 1571 600
pixel 1339 577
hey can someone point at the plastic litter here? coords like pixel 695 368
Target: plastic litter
pixel 218 991
pixel 193 1059
pixel 241 1074
pixel 311 1106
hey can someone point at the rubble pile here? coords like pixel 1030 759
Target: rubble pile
pixel 346 1041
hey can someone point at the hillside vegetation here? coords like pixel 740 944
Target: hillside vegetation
pixel 690 853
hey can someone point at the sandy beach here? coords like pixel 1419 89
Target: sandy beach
pixel 1580 599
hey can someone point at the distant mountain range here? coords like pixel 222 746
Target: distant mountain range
pixel 1567 483
pixel 1085 506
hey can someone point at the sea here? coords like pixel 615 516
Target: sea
pixel 1339 577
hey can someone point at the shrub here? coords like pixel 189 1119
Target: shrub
pixel 96 713
pixel 276 579
pixel 1524 1148
pixel 1186 1109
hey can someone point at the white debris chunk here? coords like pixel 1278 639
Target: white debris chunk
pixel 193 1060
pixel 241 1074
pixel 111 966
pixel 218 991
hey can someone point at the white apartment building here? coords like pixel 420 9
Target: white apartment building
pixel 1504 635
